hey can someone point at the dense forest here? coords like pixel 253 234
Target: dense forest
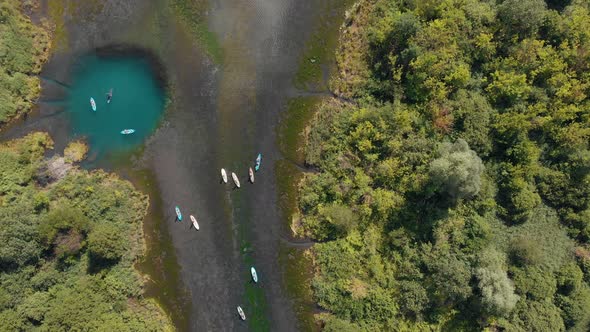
pixel 452 172
pixel 68 242
pixel 24 47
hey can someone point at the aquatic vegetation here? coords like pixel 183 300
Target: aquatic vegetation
pixel 75 151
pixel 192 14
pixel 68 247
pixel 452 186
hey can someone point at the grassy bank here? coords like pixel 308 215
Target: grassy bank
pixel 296 262
pixel 291 129
pixel 318 60
pixel 316 64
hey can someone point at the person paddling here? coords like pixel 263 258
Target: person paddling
pixel 109 96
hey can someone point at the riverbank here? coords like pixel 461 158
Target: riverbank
pixel 316 65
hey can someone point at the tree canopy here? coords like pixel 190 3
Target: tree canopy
pixel 50 237
pixel 453 168
pixel 24 47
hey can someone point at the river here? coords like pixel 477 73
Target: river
pixel 226 94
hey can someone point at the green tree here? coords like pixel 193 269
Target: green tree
pixel 523 18
pixel 341 217
pixel 457 170
pixel 107 242
pixel 539 316
pixel 574 308
pixel 450 277
pixel 534 283
pixel 414 300
pixel 569 278
pixel 497 290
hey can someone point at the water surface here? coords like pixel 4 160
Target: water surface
pixel 137 102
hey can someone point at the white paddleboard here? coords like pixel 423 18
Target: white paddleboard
pixel 235 178
pixel 224 175
pixel 195 223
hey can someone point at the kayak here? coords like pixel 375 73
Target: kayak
pixel 127 131
pixel 241 313
pixel 251 175
pixel 92 104
pixel 224 175
pixel 235 178
pixel 178 214
pixel 109 96
pixel 195 223
pixel 254 274
pixel 258 161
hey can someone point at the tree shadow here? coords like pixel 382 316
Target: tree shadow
pixel 96 264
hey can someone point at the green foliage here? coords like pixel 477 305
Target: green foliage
pixel 533 283
pixel 538 316
pixel 62 218
pixel 569 278
pixel 458 170
pixel 107 242
pixel 497 290
pixel 49 238
pixel 574 308
pixel 23 49
pixel 446 242
pixel 522 17
pixel 414 300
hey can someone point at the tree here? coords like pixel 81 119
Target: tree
pixel 107 242
pixel 457 170
pixel 450 277
pixel 540 316
pixel 534 283
pixel 62 219
pixel 569 278
pixel 414 300
pixel 497 290
pixel 341 216
pixel 473 114
pixel 574 308
pixel 522 17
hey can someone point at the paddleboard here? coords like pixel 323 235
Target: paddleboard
pixel 224 175
pixel 92 104
pixel 195 223
pixel 235 178
pixel 251 175
pixel 254 274
pixel 241 313
pixel 258 161
pixel 178 214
